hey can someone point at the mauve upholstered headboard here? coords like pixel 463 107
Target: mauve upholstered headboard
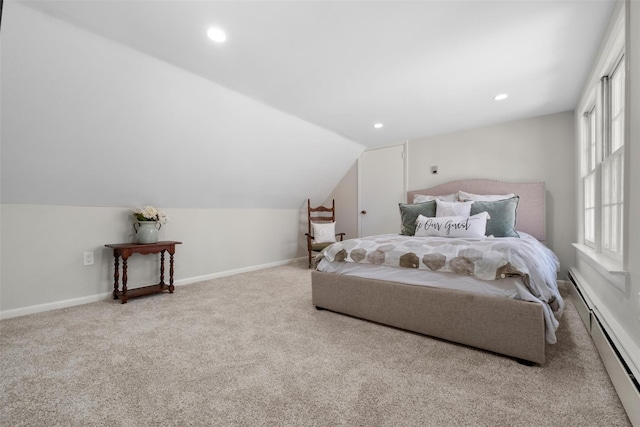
pixel 530 216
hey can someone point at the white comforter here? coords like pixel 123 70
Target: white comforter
pixel 485 258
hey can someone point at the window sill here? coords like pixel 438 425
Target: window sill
pixel 612 271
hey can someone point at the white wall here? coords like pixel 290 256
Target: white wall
pixel 536 149
pixel 42 263
pixel 632 305
pixel 633 238
pixel 346 196
pixel 91 128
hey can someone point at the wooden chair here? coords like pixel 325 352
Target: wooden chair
pixel 319 215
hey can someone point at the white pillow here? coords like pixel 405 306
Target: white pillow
pixel 421 198
pixel 453 208
pixel 483 197
pixel 452 226
pixel 324 232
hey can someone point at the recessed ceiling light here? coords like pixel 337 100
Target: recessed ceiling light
pixel 217 35
pixel 501 97
pixel 378 125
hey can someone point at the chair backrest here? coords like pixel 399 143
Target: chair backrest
pixel 320 213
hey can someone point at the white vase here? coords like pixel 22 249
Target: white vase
pixel 146 231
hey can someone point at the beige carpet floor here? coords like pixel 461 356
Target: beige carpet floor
pixel 251 350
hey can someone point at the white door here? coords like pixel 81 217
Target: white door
pixel 381 188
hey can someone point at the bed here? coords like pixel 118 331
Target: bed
pixel 502 319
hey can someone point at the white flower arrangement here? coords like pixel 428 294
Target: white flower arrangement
pixel 149 213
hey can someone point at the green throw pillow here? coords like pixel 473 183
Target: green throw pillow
pixel 503 216
pixel 409 215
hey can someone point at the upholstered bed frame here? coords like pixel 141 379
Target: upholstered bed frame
pixel 510 327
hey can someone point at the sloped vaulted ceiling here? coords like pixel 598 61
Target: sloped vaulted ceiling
pixel 89 122
pixel 133 93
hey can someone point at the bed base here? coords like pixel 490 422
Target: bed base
pixel 510 327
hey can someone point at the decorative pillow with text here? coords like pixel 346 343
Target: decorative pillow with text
pixel 452 226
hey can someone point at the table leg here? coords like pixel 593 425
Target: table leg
pixel 162 268
pixel 116 256
pixel 124 280
pixel 171 287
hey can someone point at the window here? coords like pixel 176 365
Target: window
pixel 603 165
pixel 589 178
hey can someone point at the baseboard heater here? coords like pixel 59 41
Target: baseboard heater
pixel 623 379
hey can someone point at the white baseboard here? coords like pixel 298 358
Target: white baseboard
pixel 39 308
pixel 619 354
pixel 627 390
pixel 23 311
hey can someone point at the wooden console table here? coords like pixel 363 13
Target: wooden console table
pixel 124 251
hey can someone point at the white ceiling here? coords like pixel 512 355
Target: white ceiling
pixel 420 67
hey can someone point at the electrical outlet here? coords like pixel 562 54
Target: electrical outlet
pixel 88 258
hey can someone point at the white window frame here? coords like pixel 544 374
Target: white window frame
pixel 611 166
pixel 590 177
pixel 612 265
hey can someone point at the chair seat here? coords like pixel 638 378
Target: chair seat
pixel 317 247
